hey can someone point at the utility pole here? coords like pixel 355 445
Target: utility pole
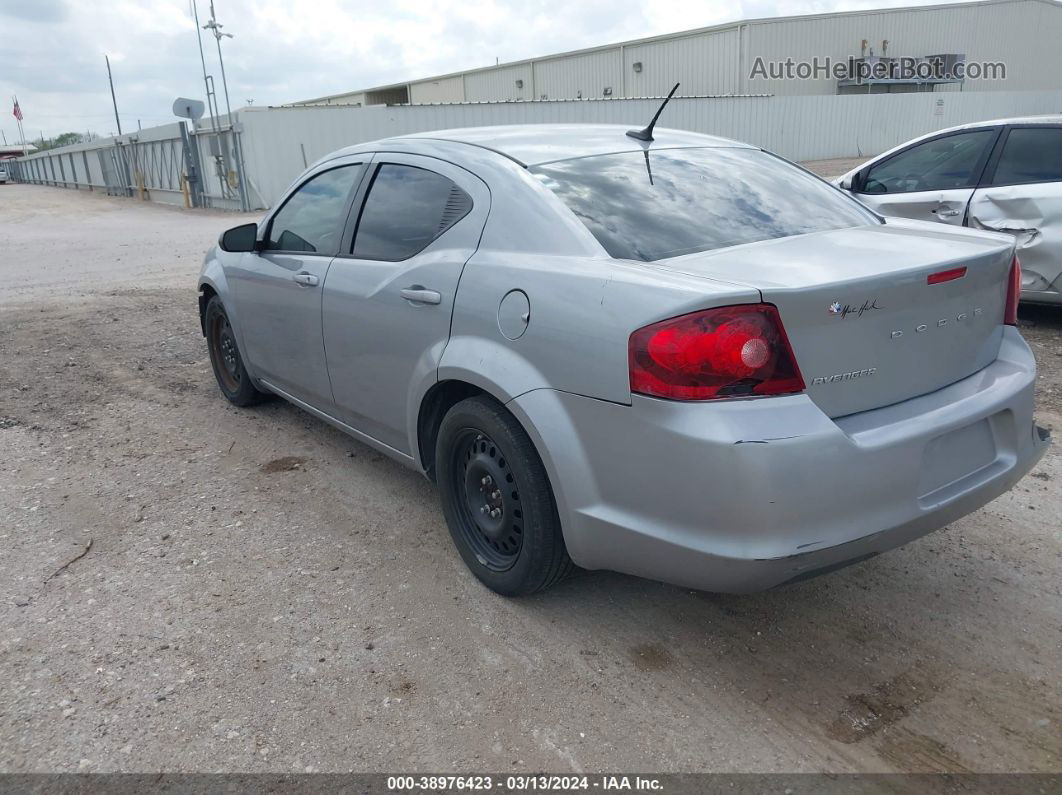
pixel 113 100
pixel 208 81
pixel 215 28
pixel 118 143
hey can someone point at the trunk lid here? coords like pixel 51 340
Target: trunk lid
pixel 866 327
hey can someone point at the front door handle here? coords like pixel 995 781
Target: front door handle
pixel 945 213
pixel 420 295
pixel 306 279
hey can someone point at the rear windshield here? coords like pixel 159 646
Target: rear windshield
pixel 665 203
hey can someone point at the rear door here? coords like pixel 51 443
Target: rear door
pixel 278 289
pixel 389 296
pixel 932 180
pixel 1021 194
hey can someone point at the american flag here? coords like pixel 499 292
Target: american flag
pixel 17 111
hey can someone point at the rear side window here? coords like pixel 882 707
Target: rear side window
pixel 665 203
pixel 1030 155
pixel 312 218
pixel 941 164
pixel 407 208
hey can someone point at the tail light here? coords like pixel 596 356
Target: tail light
pixel 1010 310
pixel 732 351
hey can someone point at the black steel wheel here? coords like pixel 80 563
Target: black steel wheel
pixel 488 500
pixel 497 499
pixel 231 375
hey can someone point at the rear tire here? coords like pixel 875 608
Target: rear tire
pixel 231 375
pixel 497 500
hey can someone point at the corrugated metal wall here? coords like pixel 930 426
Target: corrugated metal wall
pixel 450 89
pixel 705 64
pixel 799 128
pixel 500 84
pixel 279 143
pixel 585 76
pixel 1023 34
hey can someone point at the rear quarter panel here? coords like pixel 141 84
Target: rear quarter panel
pixel 582 312
pixel 583 304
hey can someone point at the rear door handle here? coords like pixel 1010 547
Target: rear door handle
pixel 945 213
pixel 421 295
pixel 306 279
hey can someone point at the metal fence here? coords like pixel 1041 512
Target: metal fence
pixel 169 164
pixel 197 167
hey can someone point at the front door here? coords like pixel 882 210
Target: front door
pixel 389 297
pixel 930 181
pixel 278 289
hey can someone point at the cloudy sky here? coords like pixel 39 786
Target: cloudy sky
pixel 51 55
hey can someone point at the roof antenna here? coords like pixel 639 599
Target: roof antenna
pixel 647 133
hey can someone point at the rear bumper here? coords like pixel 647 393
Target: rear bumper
pixel 741 496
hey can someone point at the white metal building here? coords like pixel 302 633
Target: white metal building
pixel 799 119
pixel 1024 35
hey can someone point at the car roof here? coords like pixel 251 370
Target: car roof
pixel 1054 118
pixel 534 144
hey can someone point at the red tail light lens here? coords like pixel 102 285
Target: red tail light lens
pixel 1010 310
pixel 946 276
pixel 732 351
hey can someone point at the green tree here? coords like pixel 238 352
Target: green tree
pixel 63 139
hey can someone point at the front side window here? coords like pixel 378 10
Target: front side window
pixel 406 209
pixel 1030 155
pixel 664 203
pixel 942 164
pixel 312 218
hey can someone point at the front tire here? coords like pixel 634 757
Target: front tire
pixel 497 500
pixel 231 375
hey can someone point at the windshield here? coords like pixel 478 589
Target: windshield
pixel 664 203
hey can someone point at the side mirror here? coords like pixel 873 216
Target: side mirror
pixel 240 238
pixel 845 183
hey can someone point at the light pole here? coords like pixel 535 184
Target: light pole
pixel 215 28
pixel 114 101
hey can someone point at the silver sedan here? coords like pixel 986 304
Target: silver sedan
pixel 677 356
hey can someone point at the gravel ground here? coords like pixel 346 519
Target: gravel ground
pixel 185 586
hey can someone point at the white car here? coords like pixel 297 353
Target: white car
pixel 3 175
pixel 1003 176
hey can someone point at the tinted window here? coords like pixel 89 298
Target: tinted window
pixel 941 164
pixel 679 201
pixel 1030 155
pixel 407 208
pixel 312 218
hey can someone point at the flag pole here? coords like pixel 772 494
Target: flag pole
pixel 21 133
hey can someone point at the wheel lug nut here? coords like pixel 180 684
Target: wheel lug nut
pixel 495 513
pixel 483 509
pixel 495 494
